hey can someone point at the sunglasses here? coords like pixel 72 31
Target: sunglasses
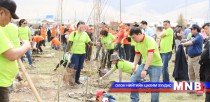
pixel 24 23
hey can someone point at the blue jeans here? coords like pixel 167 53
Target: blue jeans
pixel 78 60
pixel 165 58
pixel 28 55
pixel 154 74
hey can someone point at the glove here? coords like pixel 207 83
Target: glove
pixel 100 78
pixel 122 46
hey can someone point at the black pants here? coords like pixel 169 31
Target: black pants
pixel 127 51
pixel 62 62
pixel 4 94
pixel 120 50
pixel 88 52
pixel 205 76
pixel 174 44
pixel 48 38
pixel 132 55
pixel 106 59
pixel 39 44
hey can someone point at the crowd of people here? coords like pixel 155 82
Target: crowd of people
pixel 133 48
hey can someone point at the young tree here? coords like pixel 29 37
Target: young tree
pixel 181 20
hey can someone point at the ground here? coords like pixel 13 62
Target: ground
pixel 51 88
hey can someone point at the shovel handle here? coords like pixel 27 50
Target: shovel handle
pixel 29 81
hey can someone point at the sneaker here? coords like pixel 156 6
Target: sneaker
pixel 78 82
pixel 32 66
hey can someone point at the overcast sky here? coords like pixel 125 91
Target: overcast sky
pixel 132 10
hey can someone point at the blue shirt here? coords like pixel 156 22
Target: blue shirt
pixel 196 48
pixel 186 32
pixel 149 31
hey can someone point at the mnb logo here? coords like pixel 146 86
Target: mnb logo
pixel 188 86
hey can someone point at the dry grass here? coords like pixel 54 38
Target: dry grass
pixel 46 82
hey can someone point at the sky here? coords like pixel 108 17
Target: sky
pixel 132 10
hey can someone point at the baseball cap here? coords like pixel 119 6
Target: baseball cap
pixel 195 26
pixel 135 24
pixel 11 6
pixel 99 93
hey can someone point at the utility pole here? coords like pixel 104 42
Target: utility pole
pixel 209 12
pixel 97 15
pixel 58 11
pixel 120 13
pixel 61 11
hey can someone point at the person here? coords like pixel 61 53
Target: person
pixel 147 30
pixel 55 43
pixel 62 28
pixel 11 31
pixel 126 43
pixel 76 45
pixel 90 32
pixel 54 32
pixel 158 31
pixel 203 33
pixel 102 96
pixel 64 61
pixel 38 41
pixel 178 34
pixel 133 43
pixel 8 54
pixel 187 31
pixel 122 65
pixel 205 59
pixel 166 48
pixel 49 35
pixel 43 31
pixel 151 64
pixel 107 41
pixel 119 48
pixel 194 50
pixel 64 38
pixel 98 40
pixel 25 34
pixel 32 30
